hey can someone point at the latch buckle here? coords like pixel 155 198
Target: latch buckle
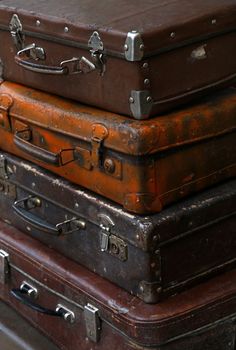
pixel 3 167
pixel 93 323
pixel 16 32
pixel 4 266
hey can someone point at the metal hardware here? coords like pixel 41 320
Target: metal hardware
pixel 106 225
pixel 4 266
pixel 109 165
pixel 69 226
pixel 16 32
pixel 33 51
pixel 134 47
pixel 3 168
pixel 150 292
pixel 92 322
pixel 7 189
pixel 67 314
pixel 118 248
pixel 28 289
pixel 141 104
pixel 109 242
pixel 96 45
pixel 6 102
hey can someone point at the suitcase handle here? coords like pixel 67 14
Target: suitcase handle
pixel 22 296
pixel 71 226
pixel 35 151
pixel 74 65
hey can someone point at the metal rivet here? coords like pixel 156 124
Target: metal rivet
pixel 213 21
pixel 159 290
pixel 126 47
pixel 141 289
pixel 149 99
pixel 146 81
pixel 141 47
pixel 38 23
pixel 66 29
pixel 172 35
pixel 28 228
pixel 134 31
pixel 138 237
pixel 145 65
pixel 33 184
pixel 155 238
pixel 76 205
pixel 109 165
pixel 131 100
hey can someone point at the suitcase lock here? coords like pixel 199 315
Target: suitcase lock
pixel 4 266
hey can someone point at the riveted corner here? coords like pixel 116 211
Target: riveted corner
pixel 141 104
pixel 134 47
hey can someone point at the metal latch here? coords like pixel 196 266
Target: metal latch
pixel 3 167
pixel 16 32
pixel 89 159
pixel 109 242
pixel 92 322
pixel 6 102
pixel 4 266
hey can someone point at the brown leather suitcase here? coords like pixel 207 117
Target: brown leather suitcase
pixel 18 334
pixel 143 165
pixel 80 310
pixel 151 257
pixel 137 58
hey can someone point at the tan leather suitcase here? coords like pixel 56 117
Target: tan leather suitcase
pixel 142 165
pixel 138 58
pixel 80 310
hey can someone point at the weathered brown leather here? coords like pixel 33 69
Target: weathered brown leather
pixel 172 32
pixel 162 254
pixel 143 165
pixel 199 318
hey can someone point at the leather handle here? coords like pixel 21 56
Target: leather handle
pixel 39 68
pixel 21 296
pixel 35 221
pixel 36 152
pixel 75 65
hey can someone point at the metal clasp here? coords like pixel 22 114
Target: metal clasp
pixel 4 266
pixel 16 32
pixel 93 323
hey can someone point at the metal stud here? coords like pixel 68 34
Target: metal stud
pixel 131 100
pixel 146 81
pixel 145 65
pixel 126 47
pixel 172 35
pixel 66 29
pixel 38 23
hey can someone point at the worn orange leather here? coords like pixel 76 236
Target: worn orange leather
pixel 142 165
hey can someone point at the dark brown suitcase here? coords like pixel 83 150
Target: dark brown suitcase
pixel 80 310
pixel 137 58
pixel 18 334
pixel 151 257
pixel 142 165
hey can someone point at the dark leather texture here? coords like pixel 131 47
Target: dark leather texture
pixel 200 317
pixel 151 257
pixel 142 165
pixel 182 48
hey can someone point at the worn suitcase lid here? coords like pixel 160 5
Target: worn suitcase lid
pixel 128 29
pixel 212 117
pixel 145 324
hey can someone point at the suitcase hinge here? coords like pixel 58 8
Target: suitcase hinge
pixel 16 32
pixel 4 266
pixel 109 242
pixel 92 322
pixel 141 104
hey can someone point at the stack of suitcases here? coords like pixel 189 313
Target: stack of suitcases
pixel 118 171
